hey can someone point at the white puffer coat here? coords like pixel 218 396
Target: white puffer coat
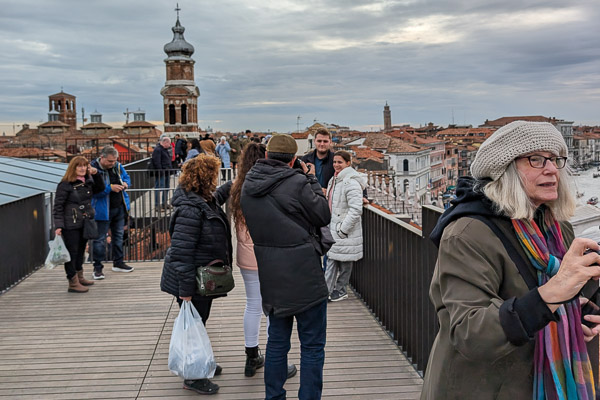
pixel 346 212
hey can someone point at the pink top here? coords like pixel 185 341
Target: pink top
pixel 245 249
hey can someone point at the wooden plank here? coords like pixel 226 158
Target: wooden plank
pixel 113 343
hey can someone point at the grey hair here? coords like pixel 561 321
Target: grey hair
pixel 508 195
pixel 163 137
pixel 109 151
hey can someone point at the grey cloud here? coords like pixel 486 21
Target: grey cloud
pixel 257 67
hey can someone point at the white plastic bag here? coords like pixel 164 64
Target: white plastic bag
pixel 58 253
pixel 190 352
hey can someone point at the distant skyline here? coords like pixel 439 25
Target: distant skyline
pixel 261 63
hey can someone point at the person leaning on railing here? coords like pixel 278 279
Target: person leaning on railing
pixel 508 276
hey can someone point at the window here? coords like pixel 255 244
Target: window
pixel 184 114
pixel 172 114
pixel 405 166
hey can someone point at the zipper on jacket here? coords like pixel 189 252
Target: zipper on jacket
pixel 74 211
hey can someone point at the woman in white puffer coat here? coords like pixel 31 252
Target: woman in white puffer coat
pixel 344 193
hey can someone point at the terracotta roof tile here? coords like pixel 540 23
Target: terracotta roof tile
pixel 96 125
pixel 402 146
pixel 366 153
pixel 140 124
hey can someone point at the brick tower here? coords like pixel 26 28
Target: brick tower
pixel 387 118
pixel 64 104
pixel 180 93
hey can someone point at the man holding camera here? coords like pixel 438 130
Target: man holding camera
pixel 282 206
pixel 112 208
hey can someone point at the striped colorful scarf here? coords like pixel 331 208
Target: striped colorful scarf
pixel 562 369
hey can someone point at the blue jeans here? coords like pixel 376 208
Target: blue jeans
pixel 161 181
pixel 312 326
pixel 116 223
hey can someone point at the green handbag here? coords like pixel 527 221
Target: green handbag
pixel 214 279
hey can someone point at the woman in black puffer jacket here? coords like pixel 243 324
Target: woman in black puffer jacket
pixel 200 233
pixel 73 203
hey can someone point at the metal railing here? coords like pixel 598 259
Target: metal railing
pixel 393 279
pixel 23 247
pixel 146 232
pixel 23 240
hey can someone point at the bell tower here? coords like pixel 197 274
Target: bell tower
pixel 180 93
pixel 63 107
pixel 387 118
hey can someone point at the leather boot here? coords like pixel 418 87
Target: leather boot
pixel 82 279
pixel 254 360
pixel 75 286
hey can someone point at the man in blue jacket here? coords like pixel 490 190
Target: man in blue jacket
pixel 112 208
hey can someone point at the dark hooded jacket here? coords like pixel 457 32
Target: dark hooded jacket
pixel 200 233
pixel 282 206
pixel 488 316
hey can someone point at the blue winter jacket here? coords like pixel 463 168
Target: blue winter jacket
pixel 223 152
pixel 100 200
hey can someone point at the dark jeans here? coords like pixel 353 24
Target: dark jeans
pixel 116 223
pixel 202 305
pixel 312 326
pixel 161 181
pixel 75 244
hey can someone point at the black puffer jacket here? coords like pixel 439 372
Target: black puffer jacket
pixel 73 200
pixel 200 233
pixel 281 205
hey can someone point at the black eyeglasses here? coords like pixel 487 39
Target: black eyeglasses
pixel 540 161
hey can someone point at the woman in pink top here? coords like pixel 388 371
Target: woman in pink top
pixel 247 262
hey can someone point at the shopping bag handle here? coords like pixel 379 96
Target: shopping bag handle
pixel 189 313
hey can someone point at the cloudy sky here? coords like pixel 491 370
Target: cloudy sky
pixel 262 63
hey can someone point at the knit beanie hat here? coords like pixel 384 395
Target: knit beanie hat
pixel 513 140
pixel 282 143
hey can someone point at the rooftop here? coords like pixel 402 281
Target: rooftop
pixel 24 178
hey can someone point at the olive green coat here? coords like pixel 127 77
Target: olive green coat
pixel 236 145
pixel 471 357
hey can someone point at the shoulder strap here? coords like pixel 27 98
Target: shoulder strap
pixel 512 252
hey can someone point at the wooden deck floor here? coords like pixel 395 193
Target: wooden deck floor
pixel 112 343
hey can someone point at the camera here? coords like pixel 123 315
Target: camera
pixel 297 164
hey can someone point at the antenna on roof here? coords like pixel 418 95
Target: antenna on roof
pixel 298 123
pixel 452 115
pixel 126 114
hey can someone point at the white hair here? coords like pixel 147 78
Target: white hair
pixel 509 197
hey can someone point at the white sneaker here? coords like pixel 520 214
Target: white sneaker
pixel 122 268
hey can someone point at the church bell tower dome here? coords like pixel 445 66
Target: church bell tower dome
pixel 178 47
